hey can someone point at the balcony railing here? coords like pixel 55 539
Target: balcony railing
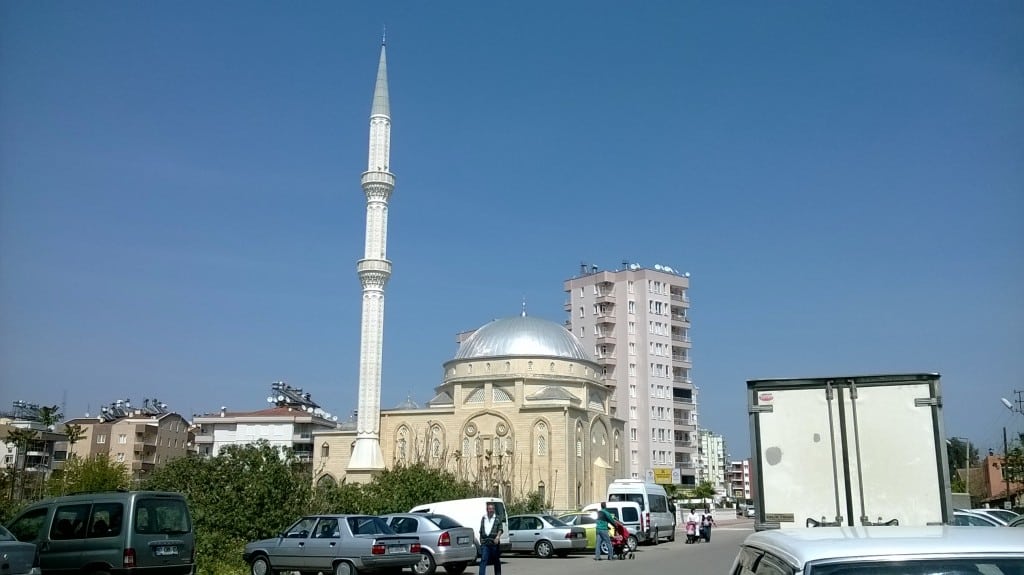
pixel 686 400
pixel 682 338
pixel 684 422
pixel 680 318
pixel 685 443
pixel 681 379
pixel 679 297
pixel 680 357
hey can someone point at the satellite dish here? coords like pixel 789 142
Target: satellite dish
pixel 334 418
pixel 270 399
pixel 687 274
pixel 657 267
pixel 280 398
pixel 669 270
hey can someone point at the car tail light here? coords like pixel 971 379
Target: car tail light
pixel 647 520
pixel 414 548
pixel 378 549
pixel 570 535
pixel 129 558
pixel 444 540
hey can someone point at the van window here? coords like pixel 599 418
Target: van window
pixel 29 527
pixel 659 504
pixel 69 522
pixel 637 498
pixel 106 520
pixel 499 509
pixel 167 516
pixel 630 515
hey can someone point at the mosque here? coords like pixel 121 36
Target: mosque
pixel 521 407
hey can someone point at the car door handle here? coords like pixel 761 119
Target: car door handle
pixel 333 543
pixel 302 543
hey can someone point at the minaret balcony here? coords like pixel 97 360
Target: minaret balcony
pixel 379 177
pixel 370 266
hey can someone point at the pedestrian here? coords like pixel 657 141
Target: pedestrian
pixel 603 519
pixel 692 526
pixel 491 529
pixel 706 523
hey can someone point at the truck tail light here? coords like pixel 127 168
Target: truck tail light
pixel 129 558
pixel 444 540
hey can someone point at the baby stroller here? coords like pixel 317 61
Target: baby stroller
pixel 620 545
pixel 692 535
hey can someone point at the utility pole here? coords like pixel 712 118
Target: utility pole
pixel 1006 475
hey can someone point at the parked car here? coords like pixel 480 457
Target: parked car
pixel 443 541
pixel 1018 522
pixel 629 514
pixel 1003 516
pixel 110 531
pixel 19 558
pixel 971 519
pixel 587 520
pixel 338 544
pixel 880 550
pixel 468 512
pixel 545 536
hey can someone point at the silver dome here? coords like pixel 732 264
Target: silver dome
pixel 523 336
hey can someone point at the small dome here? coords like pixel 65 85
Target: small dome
pixel 522 336
pixel 408 404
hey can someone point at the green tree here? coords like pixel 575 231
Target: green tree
pixel 532 503
pixel 95 473
pixel 403 487
pixel 704 490
pixel 74 433
pixel 245 493
pixel 50 416
pixel 20 439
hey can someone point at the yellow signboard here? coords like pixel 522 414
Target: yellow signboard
pixel 663 475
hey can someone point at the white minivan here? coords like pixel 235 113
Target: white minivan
pixel 653 502
pixel 469 512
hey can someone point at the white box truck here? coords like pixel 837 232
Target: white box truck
pixel 861 450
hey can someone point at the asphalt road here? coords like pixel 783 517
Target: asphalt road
pixel 667 558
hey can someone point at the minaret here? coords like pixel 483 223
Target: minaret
pixel 374 270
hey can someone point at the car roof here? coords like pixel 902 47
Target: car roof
pixel 800 546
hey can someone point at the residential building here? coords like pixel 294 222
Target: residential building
pixel 40 456
pixel 143 438
pixel 741 487
pixel 521 408
pixel 289 424
pixel 711 460
pixel 636 321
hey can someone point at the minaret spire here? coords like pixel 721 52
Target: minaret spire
pixel 374 270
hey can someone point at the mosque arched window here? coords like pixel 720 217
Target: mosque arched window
pixel 542 445
pixel 403 448
pixel 467 449
pixel 325 450
pixel 435 448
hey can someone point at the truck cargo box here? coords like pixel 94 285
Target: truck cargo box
pixel 859 450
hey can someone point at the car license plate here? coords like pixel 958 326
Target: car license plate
pixel 165 550
pixel 463 540
pixel 398 548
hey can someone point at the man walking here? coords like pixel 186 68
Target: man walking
pixel 603 519
pixel 490 540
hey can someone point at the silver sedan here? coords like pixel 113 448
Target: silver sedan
pixel 338 544
pixel 19 558
pixel 544 535
pixel 443 541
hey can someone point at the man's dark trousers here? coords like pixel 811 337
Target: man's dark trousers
pixel 489 553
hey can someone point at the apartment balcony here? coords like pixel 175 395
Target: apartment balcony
pixel 681 379
pixel 683 400
pixel 304 437
pixel 605 317
pixel 567 306
pixel 681 338
pixel 689 465
pixel 606 297
pixel 204 439
pixel 679 297
pixel 143 466
pixel 684 444
pixel 680 319
pixel 607 338
pixel 685 424
pixel 679 357
pixel 143 448
pixel 608 359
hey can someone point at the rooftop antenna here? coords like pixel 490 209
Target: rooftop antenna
pixel 524 306
pixel 384 36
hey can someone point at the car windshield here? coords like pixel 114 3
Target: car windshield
pixel 951 566
pixel 1003 514
pixel 554 521
pixel 443 521
pixel 637 498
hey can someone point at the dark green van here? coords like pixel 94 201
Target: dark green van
pixel 110 533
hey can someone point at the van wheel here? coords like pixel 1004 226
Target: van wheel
pixel 672 537
pixel 261 566
pixel 544 549
pixel 343 568
pixel 426 566
pixel 631 543
pixel 655 536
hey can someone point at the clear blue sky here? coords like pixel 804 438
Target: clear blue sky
pixel 180 210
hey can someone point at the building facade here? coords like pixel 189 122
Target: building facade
pixel 142 438
pixel 636 322
pixel 740 482
pixel 288 424
pixel 522 407
pixel 711 460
